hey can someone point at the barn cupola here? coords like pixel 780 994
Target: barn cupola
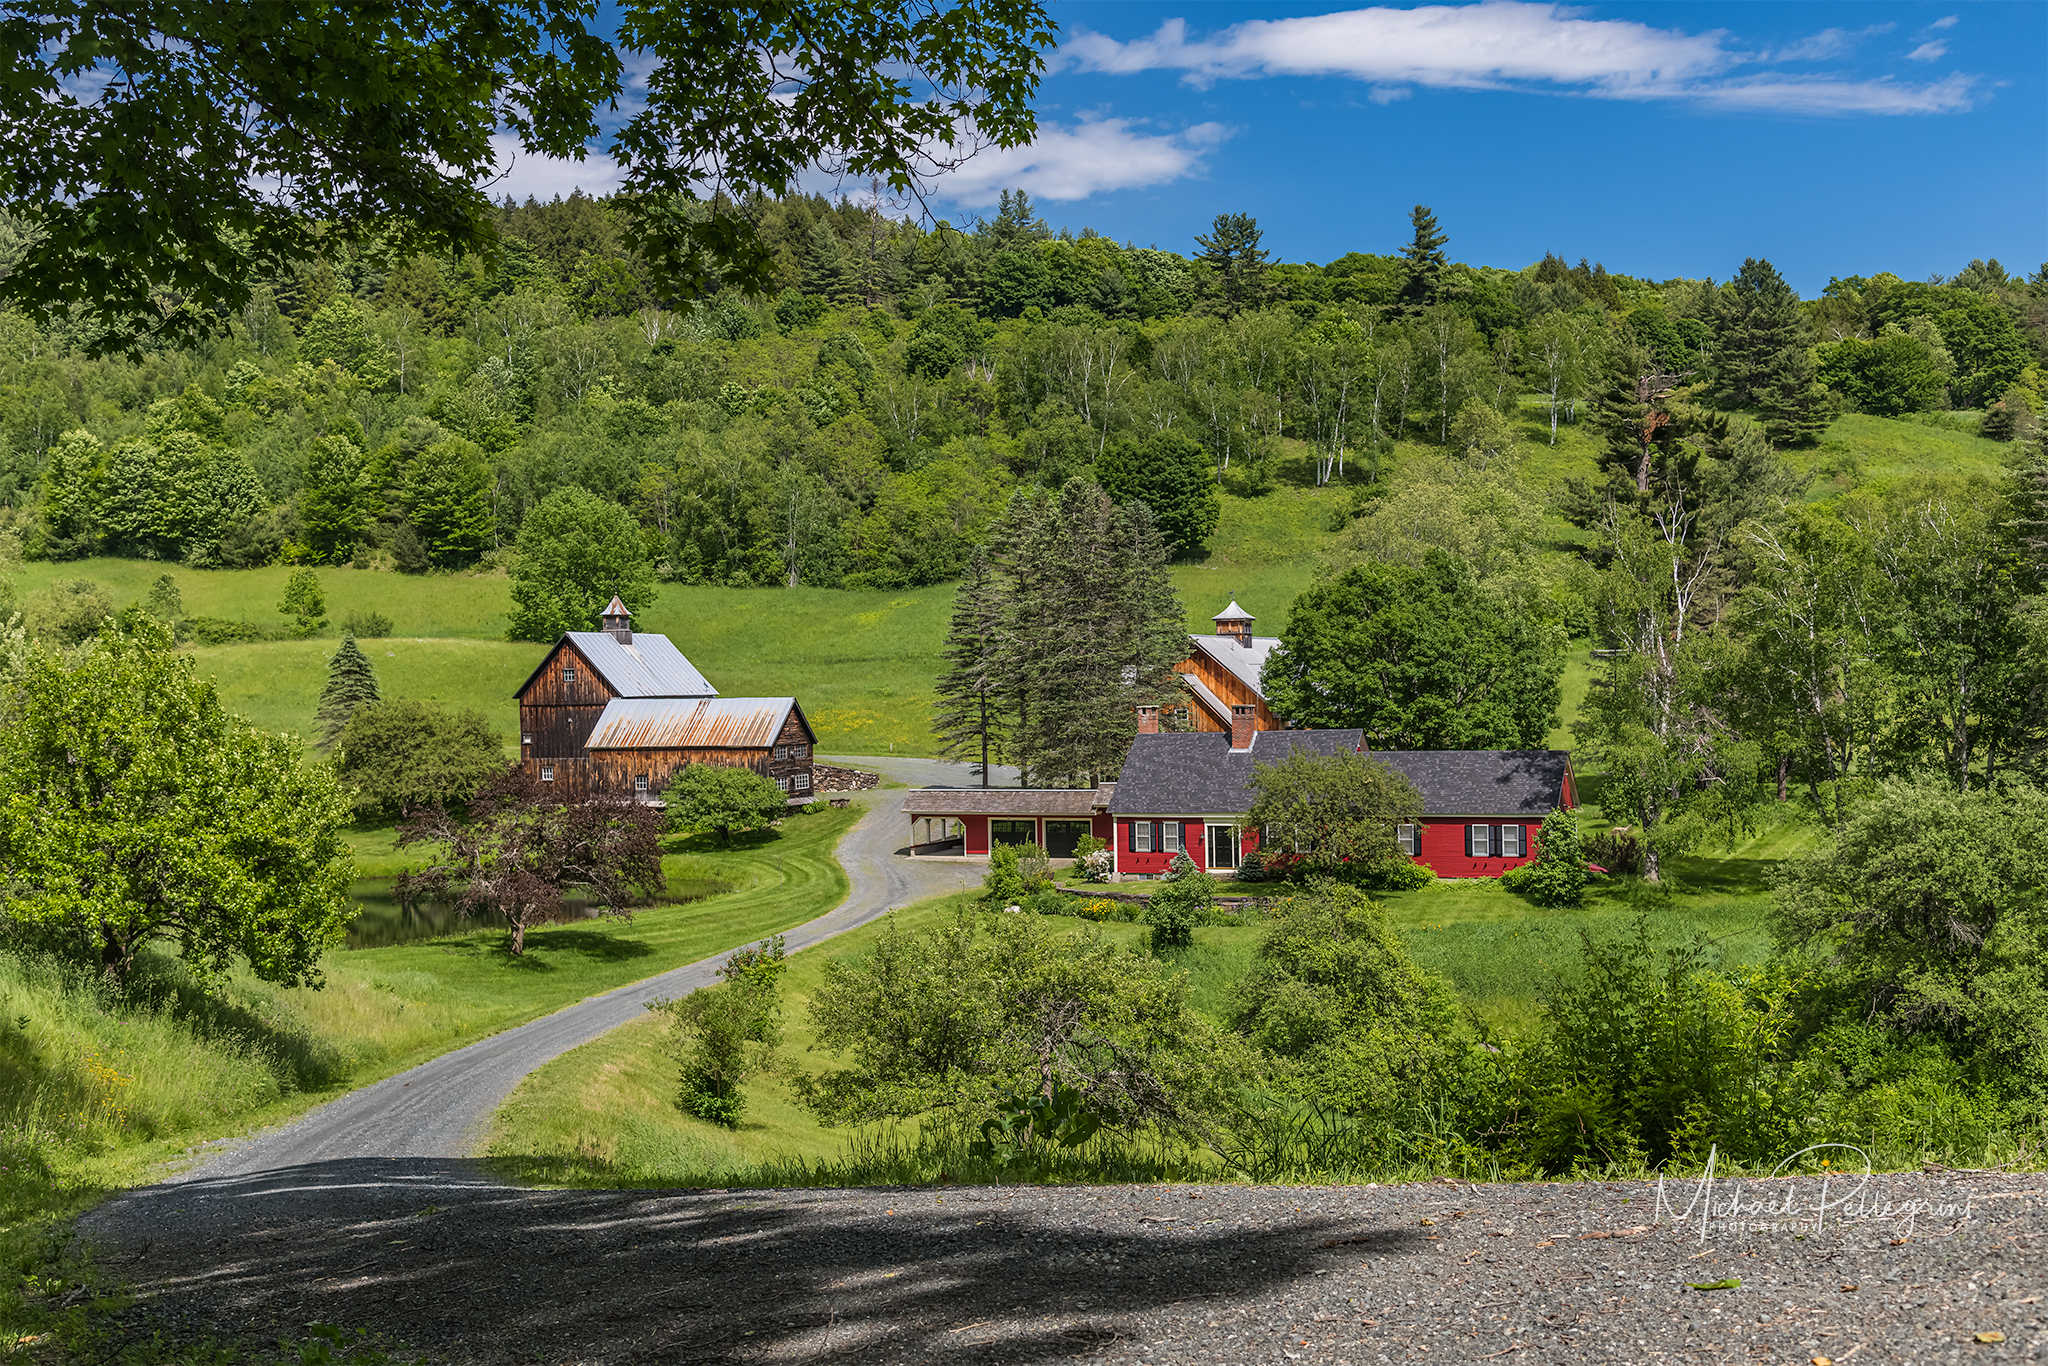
pixel 1235 622
pixel 617 621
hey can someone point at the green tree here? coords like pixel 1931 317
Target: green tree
pixel 575 551
pixel 155 505
pixel 722 798
pixel 68 612
pixel 1171 474
pixel 1423 262
pixel 962 1018
pixel 351 685
pixel 1927 913
pixel 1793 404
pixel 340 333
pixel 1417 658
pixel 447 499
pixel 134 807
pixel 970 715
pixel 335 503
pixel 1891 374
pixel 1334 992
pixel 405 755
pixel 1231 250
pixel 1335 813
pixel 1182 904
pixel 721 1035
pixel 1557 876
pixel 69 495
pixel 1758 334
pixel 304 601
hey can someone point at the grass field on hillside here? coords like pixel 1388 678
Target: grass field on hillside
pixel 276 684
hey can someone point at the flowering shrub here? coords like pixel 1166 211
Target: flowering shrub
pixel 1098 865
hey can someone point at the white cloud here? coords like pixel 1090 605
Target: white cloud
pixel 1387 94
pixel 1079 160
pixel 1512 45
pixel 521 174
pixel 1946 21
pixel 1928 52
pixel 1829 42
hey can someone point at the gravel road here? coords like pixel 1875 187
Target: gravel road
pixel 465 1271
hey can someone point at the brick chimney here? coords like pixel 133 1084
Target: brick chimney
pixel 1148 720
pixel 618 622
pixel 1235 622
pixel 1244 724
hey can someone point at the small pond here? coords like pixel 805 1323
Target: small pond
pixel 381 921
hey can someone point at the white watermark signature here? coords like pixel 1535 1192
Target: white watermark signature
pixel 1845 1193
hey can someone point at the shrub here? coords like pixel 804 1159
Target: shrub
pixel 723 798
pixel 406 754
pixel 68 613
pixel 1098 865
pixel 1016 873
pixel 721 1035
pixel 1180 904
pixel 1618 850
pixel 1252 867
pixel 304 602
pixel 1401 876
pixel 365 624
pixel 1557 877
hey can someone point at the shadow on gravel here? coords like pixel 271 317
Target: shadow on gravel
pixel 428 1252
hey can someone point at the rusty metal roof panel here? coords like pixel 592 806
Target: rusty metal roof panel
pixel 649 667
pixel 690 723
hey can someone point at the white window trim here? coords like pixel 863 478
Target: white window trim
pixel 803 782
pixel 1516 835
pixel 1409 838
pixel 1141 837
pixel 1479 841
pixel 1170 837
pixel 547 773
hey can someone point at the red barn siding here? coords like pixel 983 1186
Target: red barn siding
pixel 1444 848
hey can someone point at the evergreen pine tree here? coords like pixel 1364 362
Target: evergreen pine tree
pixel 1232 250
pixel 1423 262
pixel 828 273
pixel 335 501
pixel 970 720
pixel 1793 404
pixel 1756 325
pixel 351 686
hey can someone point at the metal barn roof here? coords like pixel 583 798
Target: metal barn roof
pixel 649 667
pixel 691 723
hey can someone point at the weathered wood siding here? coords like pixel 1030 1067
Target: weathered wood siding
pixel 558 714
pixel 1227 687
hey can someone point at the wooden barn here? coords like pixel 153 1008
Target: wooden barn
pixel 1221 676
pixel 614 713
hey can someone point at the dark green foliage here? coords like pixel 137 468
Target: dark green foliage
pixel 1794 406
pixel 1757 331
pixel 1017 873
pixel 1557 876
pixel 406 755
pixel 1171 474
pixel 962 1018
pixel 1422 262
pixel 1180 904
pixel 1929 911
pixel 69 612
pixel 1419 658
pixel 351 685
pixel 722 798
pixel 1332 815
pixel 1238 264
pixel 1651 1057
pixel 1016 279
pixel 447 500
pixel 721 1035
pixel 304 602
pixel 336 505
pixel 366 624
pixel 970 714
pixel 575 551
pixel 1335 995
pixel 1893 374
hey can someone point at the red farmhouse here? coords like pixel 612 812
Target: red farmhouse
pixel 1185 792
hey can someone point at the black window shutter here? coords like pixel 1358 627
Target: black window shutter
pixel 1495 830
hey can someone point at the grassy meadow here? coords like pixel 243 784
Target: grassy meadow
pixel 605 1114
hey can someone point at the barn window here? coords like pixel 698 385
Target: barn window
pixel 1409 837
pixel 803 782
pixel 799 751
pixel 782 751
pixel 568 673
pixel 526 739
pixel 640 785
pixel 782 783
pixel 547 773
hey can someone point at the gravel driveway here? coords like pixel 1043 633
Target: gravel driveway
pixel 466 1271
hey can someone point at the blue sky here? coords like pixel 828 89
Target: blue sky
pixel 1660 139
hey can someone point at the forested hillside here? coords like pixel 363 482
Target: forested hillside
pixel 862 427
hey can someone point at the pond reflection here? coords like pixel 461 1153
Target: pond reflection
pixel 382 920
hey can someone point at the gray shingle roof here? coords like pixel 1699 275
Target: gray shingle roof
pixel 649 667
pixel 1190 774
pixel 1005 801
pixel 1194 773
